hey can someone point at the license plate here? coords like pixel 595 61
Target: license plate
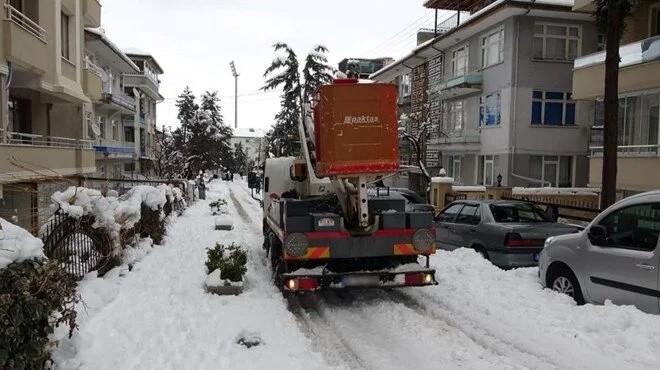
pixel 360 280
pixel 326 222
pixel 536 257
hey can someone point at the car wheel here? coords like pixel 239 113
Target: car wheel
pixel 564 281
pixel 482 252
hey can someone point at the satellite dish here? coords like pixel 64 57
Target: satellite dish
pixel 96 129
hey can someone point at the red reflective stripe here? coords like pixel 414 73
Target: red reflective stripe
pixel 395 232
pixel 327 235
pixel 317 252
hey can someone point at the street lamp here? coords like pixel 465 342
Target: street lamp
pixel 235 74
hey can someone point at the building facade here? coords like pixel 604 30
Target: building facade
pixel 252 142
pixel 499 95
pixel 42 93
pixel 639 100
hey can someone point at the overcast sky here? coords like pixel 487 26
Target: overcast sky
pixel 194 41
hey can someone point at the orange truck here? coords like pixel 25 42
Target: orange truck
pixel 322 229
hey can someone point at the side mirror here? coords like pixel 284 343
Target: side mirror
pixel 597 235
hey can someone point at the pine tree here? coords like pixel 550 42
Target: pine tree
pixel 284 72
pixel 240 160
pixel 316 71
pixel 221 151
pixel 187 108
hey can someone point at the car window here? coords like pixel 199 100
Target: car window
pixel 518 212
pixel 470 214
pixel 634 227
pixel 450 213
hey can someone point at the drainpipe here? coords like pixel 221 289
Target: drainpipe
pixel 5 104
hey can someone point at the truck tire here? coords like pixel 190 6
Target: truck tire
pixel 276 261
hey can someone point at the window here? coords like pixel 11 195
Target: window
pixel 601 42
pixel 449 214
pixel 487 164
pixel 639 118
pixel 517 212
pixel 454 167
pixel 101 121
pixel 654 13
pixel 404 86
pixel 490 109
pixel 556 41
pixel 455 115
pixel 88 124
pixel 459 61
pixel 19 115
pixel 635 227
pixel 470 215
pixel 115 130
pixel 492 48
pixel 117 171
pixel 555 171
pixel 552 108
pixel 129 135
pixel 65 35
pixel 129 166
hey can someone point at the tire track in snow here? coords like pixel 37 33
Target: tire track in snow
pixel 480 336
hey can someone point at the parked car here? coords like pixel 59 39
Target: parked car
pixel 616 257
pixel 414 202
pixel 508 233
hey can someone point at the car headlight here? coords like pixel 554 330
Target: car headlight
pixel 296 244
pixel 423 240
pixel 548 241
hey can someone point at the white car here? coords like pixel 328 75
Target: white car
pixel 616 257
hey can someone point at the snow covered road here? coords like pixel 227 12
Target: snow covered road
pixel 479 317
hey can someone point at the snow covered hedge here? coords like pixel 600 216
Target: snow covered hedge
pixel 141 212
pixel 35 297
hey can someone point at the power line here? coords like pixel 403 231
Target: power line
pixel 406 28
pixel 239 95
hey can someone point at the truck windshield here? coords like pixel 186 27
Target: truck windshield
pixel 518 212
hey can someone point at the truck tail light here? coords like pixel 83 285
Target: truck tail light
pixel 419 279
pixel 303 283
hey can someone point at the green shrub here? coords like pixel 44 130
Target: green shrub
pixel 35 298
pixel 230 260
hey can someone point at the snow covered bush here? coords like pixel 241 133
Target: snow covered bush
pixel 36 296
pixel 218 206
pixel 229 260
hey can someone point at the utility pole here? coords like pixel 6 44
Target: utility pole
pixel 235 74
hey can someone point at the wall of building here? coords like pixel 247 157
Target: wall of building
pixel 638 24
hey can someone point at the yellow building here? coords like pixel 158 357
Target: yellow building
pixel 43 86
pixel 639 100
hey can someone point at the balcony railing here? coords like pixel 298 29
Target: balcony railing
pixel 109 149
pixel 651 150
pixel 25 22
pixel 464 83
pixel 19 138
pixel 466 137
pixel 94 68
pixel 120 99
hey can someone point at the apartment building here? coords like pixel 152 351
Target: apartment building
pixel 361 68
pixel 140 129
pixel 42 93
pixel 252 141
pixel 639 100
pixel 498 88
pixel 110 107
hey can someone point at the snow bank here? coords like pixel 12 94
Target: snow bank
pixel 442 180
pixel 18 245
pixel 133 254
pixel 509 310
pixel 468 189
pixel 551 191
pixel 224 222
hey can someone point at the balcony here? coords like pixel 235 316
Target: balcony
pixel 454 87
pixel 115 151
pixel 122 101
pixel 24 41
pixel 30 157
pixel 92 13
pixel 468 140
pixel 143 82
pixel 584 6
pixel 92 81
pixel 130 122
pixel 639 69
pixel 633 173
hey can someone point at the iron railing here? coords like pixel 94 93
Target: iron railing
pixel 20 138
pixel 94 68
pixel 25 22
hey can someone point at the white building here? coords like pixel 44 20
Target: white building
pixel 252 140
